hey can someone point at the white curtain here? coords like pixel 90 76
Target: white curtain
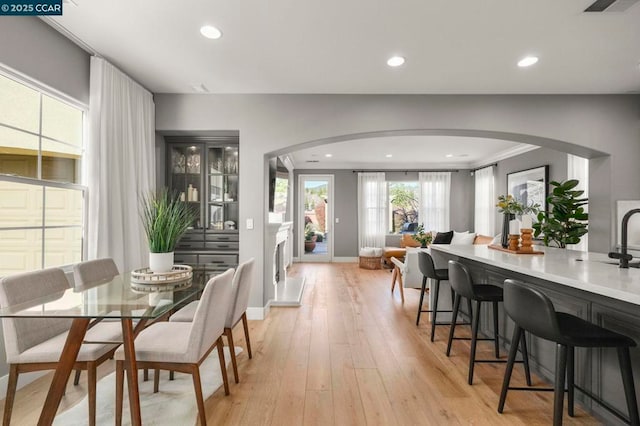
pixel 578 168
pixel 485 202
pixel 121 165
pixel 372 209
pixel 435 188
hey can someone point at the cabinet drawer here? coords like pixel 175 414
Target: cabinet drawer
pixel 190 244
pixel 221 237
pixel 189 259
pixel 222 260
pixel 192 237
pixel 222 245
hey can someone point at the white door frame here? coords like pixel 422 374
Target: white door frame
pixel 329 219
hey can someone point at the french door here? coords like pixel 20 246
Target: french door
pixel 315 218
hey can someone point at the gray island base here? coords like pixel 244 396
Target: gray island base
pixel 588 285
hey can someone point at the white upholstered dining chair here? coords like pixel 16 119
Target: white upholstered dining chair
pixel 237 311
pixel 94 271
pixel 183 346
pixel 35 344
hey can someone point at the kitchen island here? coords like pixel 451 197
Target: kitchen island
pixel 588 285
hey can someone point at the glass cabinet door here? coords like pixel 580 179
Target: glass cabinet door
pixel 185 179
pixel 223 188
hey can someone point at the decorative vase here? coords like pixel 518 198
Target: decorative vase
pixel 161 262
pixel 504 238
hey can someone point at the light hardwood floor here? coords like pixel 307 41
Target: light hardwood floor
pixel 351 355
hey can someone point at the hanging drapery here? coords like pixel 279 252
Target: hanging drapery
pixel 435 190
pixel 485 202
pixel 372 209
pixel 121 165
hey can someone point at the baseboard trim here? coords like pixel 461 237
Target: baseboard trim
pixel 259 313
pixel 23 380
pixel 345 260
pixel 296 259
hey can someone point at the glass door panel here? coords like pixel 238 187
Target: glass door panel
pixel 216 160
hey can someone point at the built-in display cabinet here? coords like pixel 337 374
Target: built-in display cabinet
pixel 204 171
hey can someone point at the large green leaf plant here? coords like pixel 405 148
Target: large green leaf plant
pixel 566 221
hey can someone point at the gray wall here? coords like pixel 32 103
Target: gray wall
pixel 556 160
pixel 35 49
pixel 607 127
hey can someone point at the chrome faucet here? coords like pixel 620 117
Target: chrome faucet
pixel 623 256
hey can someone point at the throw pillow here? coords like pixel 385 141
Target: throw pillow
pixel 461 238
pixel 443 238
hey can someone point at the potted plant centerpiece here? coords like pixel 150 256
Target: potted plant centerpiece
pixel 424 238
pixel 165 219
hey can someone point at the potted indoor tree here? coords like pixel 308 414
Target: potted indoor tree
pixel 165 219
pixel 566 221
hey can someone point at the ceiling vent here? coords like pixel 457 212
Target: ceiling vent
pixel 611 5
pixel 312 161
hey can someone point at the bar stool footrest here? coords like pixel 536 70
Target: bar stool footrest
pixel 603 404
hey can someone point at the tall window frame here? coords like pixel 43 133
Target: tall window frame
pixel 38 183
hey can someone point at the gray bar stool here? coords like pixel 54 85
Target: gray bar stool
pixel 428 270
pixel 567 332
pixel 463 286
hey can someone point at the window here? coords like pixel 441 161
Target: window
pixel 42 201
pixel 403 206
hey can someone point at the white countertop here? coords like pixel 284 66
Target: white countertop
pixel 561 266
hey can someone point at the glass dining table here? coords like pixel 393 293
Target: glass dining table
pixel 134 304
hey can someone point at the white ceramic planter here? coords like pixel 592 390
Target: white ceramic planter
pixel 161 262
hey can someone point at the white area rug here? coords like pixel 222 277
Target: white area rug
pixel 174 404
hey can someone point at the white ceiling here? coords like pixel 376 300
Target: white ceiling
pixel 338 46
pixel 408 152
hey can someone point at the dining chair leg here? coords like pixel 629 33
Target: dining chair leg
pixel 232 352
pixel 394 276
pixel 11 393
pixel 401 286
pixel 145 375
pixel 156 380
pixel 245 324
pixel 223 366
pixel 496 336
pixel 119 391
pixel 475 325
pixel 434 309
pixel 454 318
pixel 513 351
pixel 92 368
pixel 422 292
pixel 197 387
pixel 76 379
pixel 558 394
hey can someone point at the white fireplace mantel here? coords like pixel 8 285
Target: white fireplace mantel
pixel 279 250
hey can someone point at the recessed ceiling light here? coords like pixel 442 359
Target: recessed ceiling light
pixel 527 61
pixel 389 155
pixel 449 155
pixel 210 31
pixel 328 155
pixel 395 61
